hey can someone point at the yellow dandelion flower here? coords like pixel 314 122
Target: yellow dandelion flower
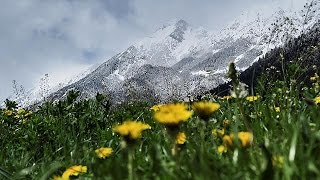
pixel 103 152
pixel 172 114
pixel 218 132
pixel 226 98
pixel 204 109
pixel 131 129
pixel 59 178
pixel 278 161
pixel 228 140
pixel 156 108
pixel 222 149
pixel 245 138
pixel 317 100
pixel 252 98
pixel 74 171
pixel 181 138
pixel 277 109
pixel 8 112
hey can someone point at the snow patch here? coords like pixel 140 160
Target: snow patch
pixel 215 51
pixel 221 71
pixel 238 58
pixel 201 73
pixel 116 73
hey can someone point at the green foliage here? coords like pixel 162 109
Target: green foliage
pixel 66 133
pixel 11 105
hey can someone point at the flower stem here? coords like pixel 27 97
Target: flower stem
pixel 130 164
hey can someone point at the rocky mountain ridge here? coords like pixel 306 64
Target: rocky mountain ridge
pixel 179 60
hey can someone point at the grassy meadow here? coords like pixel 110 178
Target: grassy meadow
pixel 263 133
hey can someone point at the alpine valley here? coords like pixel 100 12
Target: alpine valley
pixel 178 60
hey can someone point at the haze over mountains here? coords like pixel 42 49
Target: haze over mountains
pixel 180 60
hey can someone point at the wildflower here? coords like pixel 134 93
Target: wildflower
pixel 181 138
pixel 28 114
pixel 252 98
pixel 317 100
pixel 8 112
pixel 222 149
pixel 245 138
pixel 103 152
pixel 74 171
pixel 239 91
pixel 278 161
pixel 59 178
pixel 218 132
pixel 204 109
pixel 156 108
pixel 131 129
pixel 226 98
pixel 21 111
pixel 277 109
pixel 228 140
pixel 313 78
pixel 172 114
pixel 226 122
pixel 259 114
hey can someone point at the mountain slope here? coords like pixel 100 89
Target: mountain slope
pixel 179 60
pixel 300 55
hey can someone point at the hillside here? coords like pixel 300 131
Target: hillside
pixel 299 56
pixel 189 60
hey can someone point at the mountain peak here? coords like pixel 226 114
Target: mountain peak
pixel 180 28
pixel 181 24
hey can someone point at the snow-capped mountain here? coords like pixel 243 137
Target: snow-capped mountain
pixel 179 60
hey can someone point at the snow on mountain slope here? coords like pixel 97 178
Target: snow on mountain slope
pixel 179 60
pixel 171 43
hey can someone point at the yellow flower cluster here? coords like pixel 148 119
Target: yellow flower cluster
pixel 72 171
pixel 103 152
pixel 226 98
pixel 21 113
pixel 218 132
pixel 181 138
pixel 8 112
pixel 315 77
pixel 278 161
pixel 172 114
pixel 245 139
pixel 228 140
pixel 131 129
pixel 222 149
pixel 226 123
pixel 204 109
pixel 252 98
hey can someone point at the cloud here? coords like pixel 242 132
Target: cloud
pixel 39 37
pixel 65 36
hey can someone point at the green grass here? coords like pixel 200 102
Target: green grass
pixel 65 134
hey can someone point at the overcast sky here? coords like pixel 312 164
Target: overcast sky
pixel 63 37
